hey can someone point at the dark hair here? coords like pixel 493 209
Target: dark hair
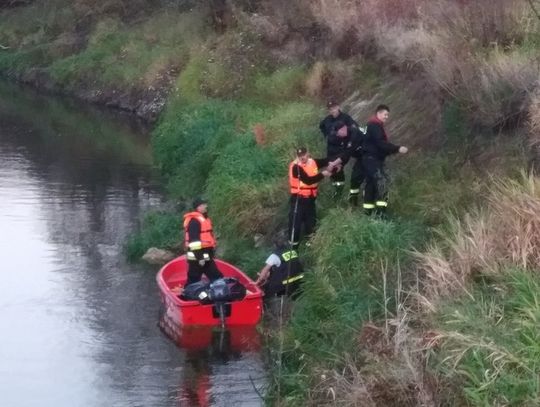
pixel 300 151
pixel 198 201
pixel 338 125
pixel 380 108
pixel 280 240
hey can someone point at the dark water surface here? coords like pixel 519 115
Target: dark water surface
pixel 78 325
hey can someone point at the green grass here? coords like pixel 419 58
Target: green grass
pixel 221 86
pixel 16 62
pixel 130 56
pixel 282 85
pixel 158 229
pixel 344 286
pixel 492 344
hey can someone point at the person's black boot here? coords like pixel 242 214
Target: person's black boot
pixel 380 211
pixel 369 209
pixel 353 199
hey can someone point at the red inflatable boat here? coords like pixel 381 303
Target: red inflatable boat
pixel 171 279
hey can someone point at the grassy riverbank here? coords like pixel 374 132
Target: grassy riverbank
pixel 436 306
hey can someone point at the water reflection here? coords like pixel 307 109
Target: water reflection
pixel 212 352
pixel 79 324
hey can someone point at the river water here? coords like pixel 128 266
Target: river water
pixel 78 325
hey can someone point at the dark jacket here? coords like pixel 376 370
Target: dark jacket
pixel 345 147
pixel 376 142
pixel 287 277
pixel 327 124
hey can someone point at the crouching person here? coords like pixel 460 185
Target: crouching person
pixel 283 272
pixel 200 244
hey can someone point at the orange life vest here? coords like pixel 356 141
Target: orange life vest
pixel 297 186
pixel 207 235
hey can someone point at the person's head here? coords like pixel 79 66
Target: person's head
pixel 302 154
pixel 280 241
pixel 333 108
pixel 341 129
pixel 382 112
pixel 200 205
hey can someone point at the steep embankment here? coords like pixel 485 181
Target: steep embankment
pixel 378 324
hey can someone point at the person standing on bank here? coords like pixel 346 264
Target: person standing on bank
pixel 282 273
pixel 304 175
pixel 200 244
pixel 335 114
pixel 375 149
pixel 346 142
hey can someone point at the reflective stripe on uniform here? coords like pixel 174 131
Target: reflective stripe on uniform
pixel 292 279
pixel 338 183
pixel 381 203
pixel 191 256
pixel 195 245
pixel 369 206
pixel 291 254
pixel 354 191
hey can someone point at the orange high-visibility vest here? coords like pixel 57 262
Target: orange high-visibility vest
pixel 297 186
pixel 207 235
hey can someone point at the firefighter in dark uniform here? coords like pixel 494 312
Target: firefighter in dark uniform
pixel 200 244
pixel 347 143
pixel 304 175
pixel 282 273
pixel 334 114
pixel 375 149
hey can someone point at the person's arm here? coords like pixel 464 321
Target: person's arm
pixel 322 127
pixel 194 233
pixel 349 121
pixel 375 132
pixel 298 172
pixel 321 162
pixel 271 261
pixel 263 275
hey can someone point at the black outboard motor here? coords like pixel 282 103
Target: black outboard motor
pixel 226 289
pixel 219 292
pixel 222 291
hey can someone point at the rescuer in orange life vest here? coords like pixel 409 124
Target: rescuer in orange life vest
pixel 304 176
pixel 200 244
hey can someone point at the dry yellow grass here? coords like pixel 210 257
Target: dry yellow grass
pixel 507 233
